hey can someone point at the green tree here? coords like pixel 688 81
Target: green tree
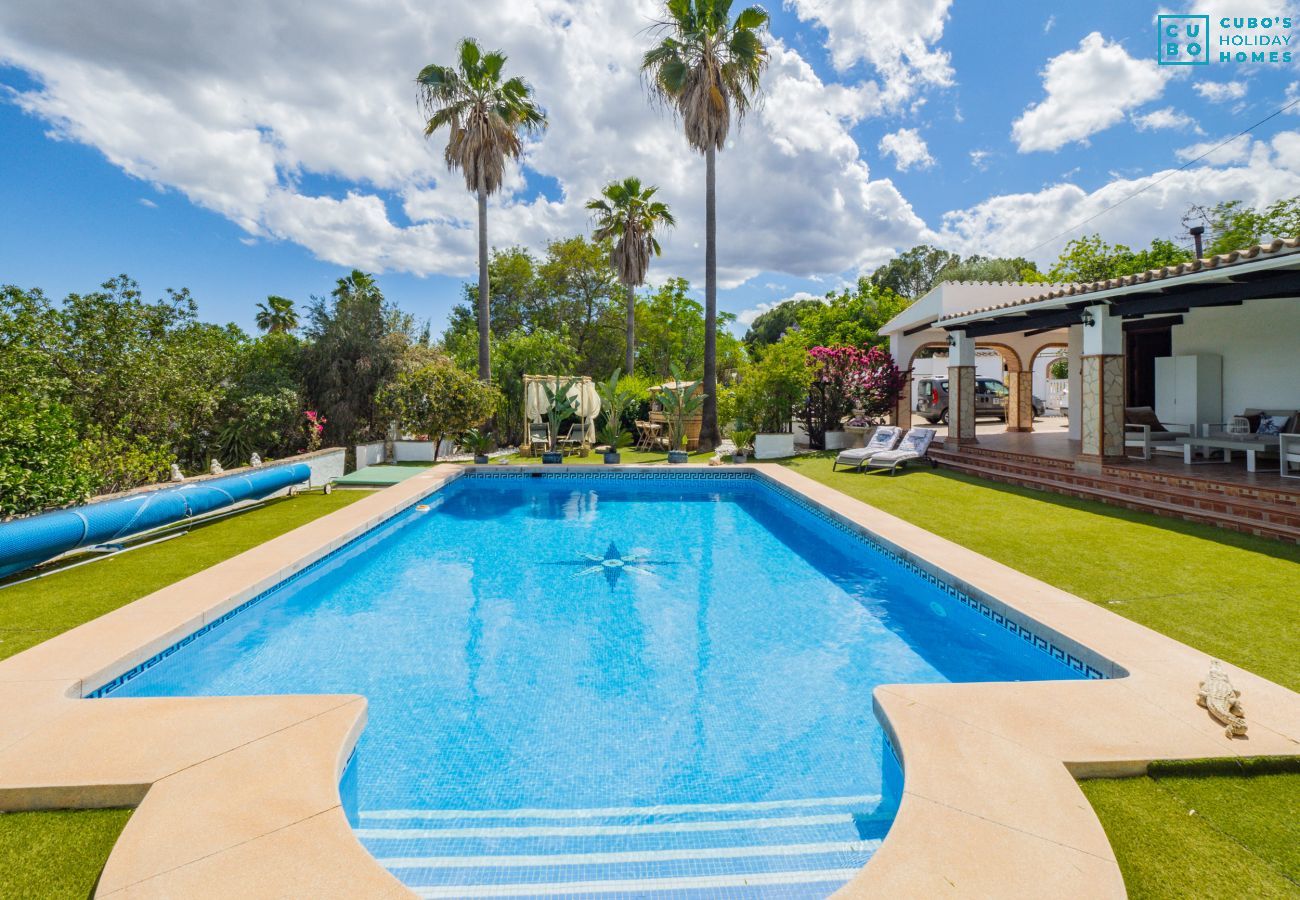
pixel 1235 226
pixel 582 299
pixel 277 315
pixel 707 68
pixel 41 458
pixel 991 268
pixel 355 340
pixel 484 114
pixel 673 334
pixel 912 274
pixel 436 400
pixel 628 216
pixel 1089 258
pixel 771 388
pixel 520 353
pixel 770 326
pixel 851 317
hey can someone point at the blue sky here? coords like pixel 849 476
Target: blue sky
pixel 252 152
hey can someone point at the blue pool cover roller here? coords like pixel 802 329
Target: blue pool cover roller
pixel 27 542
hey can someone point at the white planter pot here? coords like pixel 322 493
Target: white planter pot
pixel 773 446
pixel 836 440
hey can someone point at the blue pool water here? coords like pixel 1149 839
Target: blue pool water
pixel 653 685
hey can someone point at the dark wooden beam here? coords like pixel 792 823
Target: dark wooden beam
pixel 918 329
pixel 1153 324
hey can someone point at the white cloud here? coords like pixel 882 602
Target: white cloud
pixel 1167 118
pixel 980 159
pixel 895 37
pixel 1088 90
pixel 1049 24
pixel 1220 91
pixel 1012 224
pixel 1236 151
pixel 242 108
pixel 147 203
pixel 908 149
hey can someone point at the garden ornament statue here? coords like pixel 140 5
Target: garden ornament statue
pixel 215 467
pixel 176 473
pixel 1218 696
pixel 255 461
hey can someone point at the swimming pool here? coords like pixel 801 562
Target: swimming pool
pixel 605 683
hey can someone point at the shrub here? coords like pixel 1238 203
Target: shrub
pixel 121 462
pixel 772 387
pixel 42 464
pixel 438 399
pixel 844 378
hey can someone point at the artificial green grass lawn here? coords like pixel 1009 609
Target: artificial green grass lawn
pixel 1205 829
pixel 50 855
pixel 40 609
pixel 1228 594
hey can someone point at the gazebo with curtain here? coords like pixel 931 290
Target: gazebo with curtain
pixel 582 392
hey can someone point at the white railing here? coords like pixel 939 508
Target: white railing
pixel 1058 394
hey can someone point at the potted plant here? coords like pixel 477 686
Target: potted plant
pixel 743 438
pixel 680 402
pixel 559 410
pixel 614 438
pixel 479 442
pixel 615 398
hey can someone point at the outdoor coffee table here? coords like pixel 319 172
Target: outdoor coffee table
pixel 1249 446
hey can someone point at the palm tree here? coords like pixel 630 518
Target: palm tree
pixel 707 69
pixel 277 315
pixel 484 116
pixel 628 215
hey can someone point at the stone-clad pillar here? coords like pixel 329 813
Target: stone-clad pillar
pixel 1101 373
pixel 961 389
pixel 1020 401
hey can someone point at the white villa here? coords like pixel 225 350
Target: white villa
pixel 1210 349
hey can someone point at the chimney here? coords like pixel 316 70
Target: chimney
pixel 1196 233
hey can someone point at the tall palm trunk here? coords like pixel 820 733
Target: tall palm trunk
pixel 484 308
pixel 630 357
pixel 709 436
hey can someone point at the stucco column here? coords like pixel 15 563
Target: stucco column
pixel 961 389
pixel 1101 386
pixel 1020 401
pixel 902 412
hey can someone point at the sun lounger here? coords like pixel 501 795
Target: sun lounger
pixel 572 442
pixel 916 443
pixel 886 437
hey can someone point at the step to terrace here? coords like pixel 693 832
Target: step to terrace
pixel 791 848
pixel 1273 513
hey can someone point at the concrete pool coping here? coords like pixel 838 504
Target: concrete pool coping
pixel 239 796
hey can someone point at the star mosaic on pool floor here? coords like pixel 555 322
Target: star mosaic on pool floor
pixel 614 563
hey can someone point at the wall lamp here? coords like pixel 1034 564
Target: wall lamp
pixel 1087 318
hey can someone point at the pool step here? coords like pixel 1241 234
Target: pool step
pixel 795 848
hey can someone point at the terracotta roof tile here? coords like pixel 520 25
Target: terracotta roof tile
pixel 1197 265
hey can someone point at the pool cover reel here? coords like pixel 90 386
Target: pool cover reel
pixel 27 542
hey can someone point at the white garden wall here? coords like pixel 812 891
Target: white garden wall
pixel 371 454
pixel 1260 345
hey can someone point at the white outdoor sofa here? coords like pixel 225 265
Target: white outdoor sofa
pixel 1147 434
